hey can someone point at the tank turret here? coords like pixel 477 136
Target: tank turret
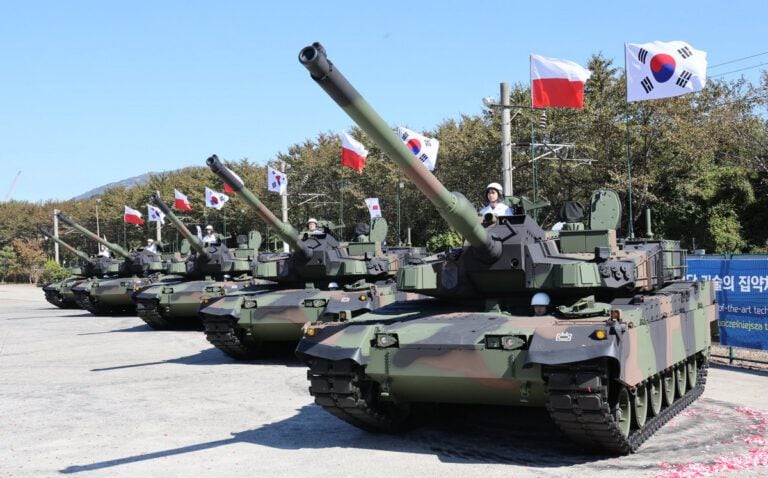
pixel 318 257
pixel 77 252
pixel 140 262
pixel 285 231
pixel 209 259
pixel 503 255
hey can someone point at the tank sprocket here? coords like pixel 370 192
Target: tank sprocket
pixel 233 341
pixel 341 389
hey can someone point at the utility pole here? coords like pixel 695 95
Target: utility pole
pixel 506 141
pixel 284 199
pixel 56 234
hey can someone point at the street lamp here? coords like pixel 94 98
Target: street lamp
pixel 98 201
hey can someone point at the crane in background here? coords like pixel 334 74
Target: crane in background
pixel 13 185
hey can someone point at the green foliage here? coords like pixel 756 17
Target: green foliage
pixel 53 272
pixel 444 241
pixel 8 262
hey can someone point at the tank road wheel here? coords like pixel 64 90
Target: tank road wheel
pixel 622 411
pixel 681 381
pixel 640 406
pixel 692 367
pixel 654 395
pixel 668 386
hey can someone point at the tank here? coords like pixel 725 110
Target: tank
pixel 112 294
pixel 321 275
pixel 60 293
pixel 209 270
pixel 622 347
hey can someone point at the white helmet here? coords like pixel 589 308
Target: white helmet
pixel 209 228
pixel 312 219
pixel 540 298
pixel 495 186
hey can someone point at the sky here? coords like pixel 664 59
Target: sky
pixel 93 92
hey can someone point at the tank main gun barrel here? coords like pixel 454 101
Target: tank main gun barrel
pixel 82 255
pixel 195 242
pixel 457 211
pixel 285 231
pixel 112 247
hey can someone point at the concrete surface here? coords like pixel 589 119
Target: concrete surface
pixel 107 396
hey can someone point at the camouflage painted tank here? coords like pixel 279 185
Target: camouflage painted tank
pixel 320 276
pixel 60 293
pixel 210 270
pixel 623 347
pixel 112 295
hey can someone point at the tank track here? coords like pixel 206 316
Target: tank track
pixel 149 311
pixel 579 405
pixel 340 388
pixel 55 298
pixel 222 334
pixel 84 302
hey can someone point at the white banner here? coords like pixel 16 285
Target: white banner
pixel 373 207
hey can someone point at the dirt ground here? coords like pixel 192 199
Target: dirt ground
pixel 107 396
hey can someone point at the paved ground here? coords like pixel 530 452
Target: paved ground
pixel 107 396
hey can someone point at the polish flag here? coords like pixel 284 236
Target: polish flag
pixel 353 153
pixel 373 207
pixel 557 83
pixel 180 201
pixel 133 216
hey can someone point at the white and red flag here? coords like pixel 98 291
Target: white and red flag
pixel 373 207
pixel 353 153
pixel 557 83
pixel 154 214
pixel 277 181
pixel 180 201
pixel 425 149
pixel 664 69
pixel 215 199
pixel 132 216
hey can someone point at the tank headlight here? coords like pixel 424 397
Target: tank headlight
pixel 492 342
pixel 318 303
pixel 205 300
pixel 600 334
pixel 386 340
pixel 311 331
pixel 511 342
pixel 249 304
pixel 615 314
pixel 167 290
pixel 363 298
pixel 343 315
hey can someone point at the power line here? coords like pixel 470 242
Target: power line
pixel 740 69
pixel 739 59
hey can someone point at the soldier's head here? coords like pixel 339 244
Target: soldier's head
pixel 493 193
pixel 150 242
pixel 540 303
pixel 209 229
pixel 312 224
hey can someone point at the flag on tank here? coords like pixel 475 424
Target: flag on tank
pixel 425 149
pixel 353 153
pixel 557 83
pixel 373 207
pixel 215 199
pixel 664 69
pixel 277 181
pixel 180 201
pixel 154 214
pixel 132 216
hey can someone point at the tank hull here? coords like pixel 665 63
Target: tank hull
pixel 60 293
pixel 281 315
pixel 438 352
pixel 109 296
pixel 174 302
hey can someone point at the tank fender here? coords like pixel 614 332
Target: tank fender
pixel 566 344
pixel 337 342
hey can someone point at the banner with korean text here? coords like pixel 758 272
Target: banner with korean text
pixel 741 290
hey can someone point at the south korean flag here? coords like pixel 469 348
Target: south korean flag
pixel 664 69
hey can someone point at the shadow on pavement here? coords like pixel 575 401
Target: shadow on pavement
pixel 214 356
pixel 487 435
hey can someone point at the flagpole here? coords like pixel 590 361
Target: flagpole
pixel 630 231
